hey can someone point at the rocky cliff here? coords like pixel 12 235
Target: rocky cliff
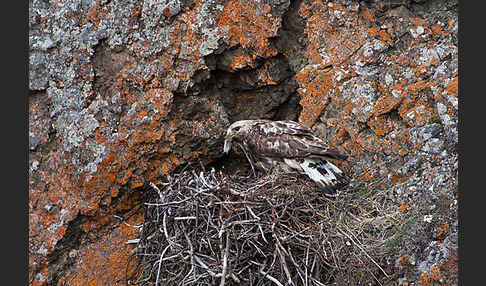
pixel 123 92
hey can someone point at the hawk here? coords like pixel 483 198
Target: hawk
pixel 287 146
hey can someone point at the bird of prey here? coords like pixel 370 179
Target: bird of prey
pixel 287 146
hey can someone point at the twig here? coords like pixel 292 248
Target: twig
pixel 126 223
pixel 130 241
pixel 203 265
pixel 237 203
pixel 266 275
pixel 225 260
pixel 184 218
pixel 297 267
pixel 158 191
pixel 307 265
pixel 280 251
pixel 357 257
pixel 160 264
pixel 242 222
pixel 359 246
pixel 188 218
pixel 259 225
pixel 333 256
pixel 191 255
pixel 164 225
pixel 249 160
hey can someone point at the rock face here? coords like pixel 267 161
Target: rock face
pixel 123 92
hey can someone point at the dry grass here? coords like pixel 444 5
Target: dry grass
pixel 206 228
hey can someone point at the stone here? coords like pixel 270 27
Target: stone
pixel 122 93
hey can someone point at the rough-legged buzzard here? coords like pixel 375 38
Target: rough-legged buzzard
pixel 287 146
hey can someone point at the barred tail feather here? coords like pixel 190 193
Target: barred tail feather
pixel 324 173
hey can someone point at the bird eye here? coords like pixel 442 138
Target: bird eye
pixel 236 128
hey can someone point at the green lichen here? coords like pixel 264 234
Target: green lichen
pixel 435 118
pixel 393 242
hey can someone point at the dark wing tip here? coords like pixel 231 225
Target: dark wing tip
pixel 332 190
pixel 334 154
pixel 343 180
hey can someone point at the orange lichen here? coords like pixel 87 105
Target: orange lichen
pixel 58 4
pixel 86 226
pixel 241 62
pixel 437 30
pixel 396 178
pixel 328 43
pixel 95 14
pixel 316 83
pixel 415 108
pixel 373 31
pixel 381 125
pixel 418 21
pixel 404 261
pixel 369 175
pixel 403 207
pixel 136 182
pixel 443 231
pixel 249 24
pixel 433 276
pixel 443 273
pixel 368 15
pixel 264 75
pixel 105 262
pixel 452 87
pixel 380 34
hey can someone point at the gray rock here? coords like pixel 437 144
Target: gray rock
pixel 363 96
pixel 33 141
pixel 433 146
pixel 424 133
pixel 38 73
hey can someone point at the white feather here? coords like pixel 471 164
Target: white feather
pixel 305 167
pixel 329 166
pixel 293 164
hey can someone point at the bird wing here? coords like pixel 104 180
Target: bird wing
pixel 273 128
pixel 289 139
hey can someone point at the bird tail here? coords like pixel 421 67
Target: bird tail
pixel 325 174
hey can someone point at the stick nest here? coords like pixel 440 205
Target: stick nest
pixel 208 228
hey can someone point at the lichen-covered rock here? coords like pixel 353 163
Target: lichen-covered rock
pixel 123 92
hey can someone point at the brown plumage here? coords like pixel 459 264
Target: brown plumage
pixel 287 146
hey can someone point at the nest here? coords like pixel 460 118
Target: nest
pixel 206 228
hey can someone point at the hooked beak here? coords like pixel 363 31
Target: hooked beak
pixel 227 143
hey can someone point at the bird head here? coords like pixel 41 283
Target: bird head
pixel 235 131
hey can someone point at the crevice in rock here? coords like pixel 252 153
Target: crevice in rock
pixel 36 93
pixel 289 109
pixel 382 6
pixel 291 40
pixel 421 8
pixel 59 258
pixel 243 93
pixel 43 139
